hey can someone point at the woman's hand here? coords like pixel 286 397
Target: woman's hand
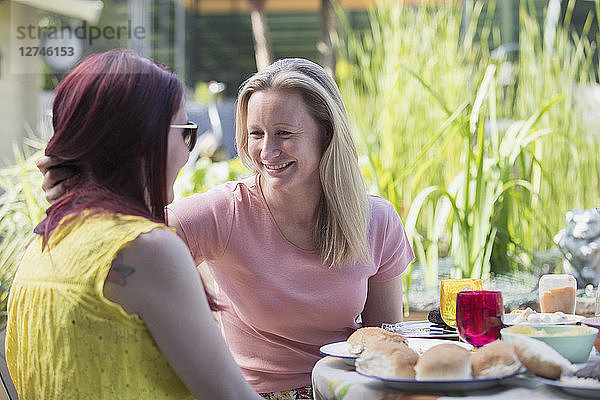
pixel 58 179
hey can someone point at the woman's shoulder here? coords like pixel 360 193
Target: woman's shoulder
pixel 126 229
pixel 383 215
pixel 84 226
pixel 156 247
pixel 156 239
pixel 379 206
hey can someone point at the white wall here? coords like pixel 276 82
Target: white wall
pixel 19 92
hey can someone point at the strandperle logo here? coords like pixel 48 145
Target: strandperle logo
pixel 86 32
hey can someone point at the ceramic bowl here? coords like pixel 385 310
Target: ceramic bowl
pixel 573 342
pixel 594 322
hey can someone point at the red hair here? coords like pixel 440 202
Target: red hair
pixel 111 117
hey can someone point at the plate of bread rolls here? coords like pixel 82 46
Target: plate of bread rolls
pixel 423 364
pixel 443 367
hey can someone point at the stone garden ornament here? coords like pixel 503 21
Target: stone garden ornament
pixel 580 243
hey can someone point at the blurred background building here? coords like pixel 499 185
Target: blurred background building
pixel 21 77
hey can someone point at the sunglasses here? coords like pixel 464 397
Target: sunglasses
pixel 190 131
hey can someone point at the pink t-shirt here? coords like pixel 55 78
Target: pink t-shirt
pixel 281 302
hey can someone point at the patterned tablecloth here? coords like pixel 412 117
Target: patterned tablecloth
pixel 332 378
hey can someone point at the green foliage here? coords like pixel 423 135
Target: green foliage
pixel 201 93
pixel 205 174
pixel 571 152
pixel 22 205
pixel 466 144
pixel 490 174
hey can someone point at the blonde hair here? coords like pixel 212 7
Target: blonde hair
pixel 340 234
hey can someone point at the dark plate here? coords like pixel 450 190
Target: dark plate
pixel 420 329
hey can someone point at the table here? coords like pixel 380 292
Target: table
pixel 333 379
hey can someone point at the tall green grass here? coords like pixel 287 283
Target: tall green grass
pixel 480 155
pixel 491 172
pixel 22 205
pixel 571 152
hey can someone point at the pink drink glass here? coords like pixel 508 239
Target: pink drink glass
pixel 479 316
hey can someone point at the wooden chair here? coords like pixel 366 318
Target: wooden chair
pixel 7 389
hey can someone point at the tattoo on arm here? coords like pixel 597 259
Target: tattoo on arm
pixel 119 272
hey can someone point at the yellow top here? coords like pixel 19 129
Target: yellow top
pixel 64 339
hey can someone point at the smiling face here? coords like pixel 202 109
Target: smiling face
pixel 284 141
pixel 177 150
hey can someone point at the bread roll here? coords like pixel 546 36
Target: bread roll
pixel 540 358
pixel 388 360
pixel 443 363
pixel 495 359
pixel 364 337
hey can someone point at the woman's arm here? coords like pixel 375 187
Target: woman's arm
pixel 384 295
pixel 155 278
pixel 384 302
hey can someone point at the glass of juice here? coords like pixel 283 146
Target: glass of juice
pixel 479 316
pixel 557 293
pixel 448 290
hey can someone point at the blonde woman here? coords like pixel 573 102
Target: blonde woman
pixel 299 250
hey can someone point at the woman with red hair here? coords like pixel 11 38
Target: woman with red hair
pixel 96 306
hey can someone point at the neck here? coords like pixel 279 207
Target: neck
pixel 299 208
